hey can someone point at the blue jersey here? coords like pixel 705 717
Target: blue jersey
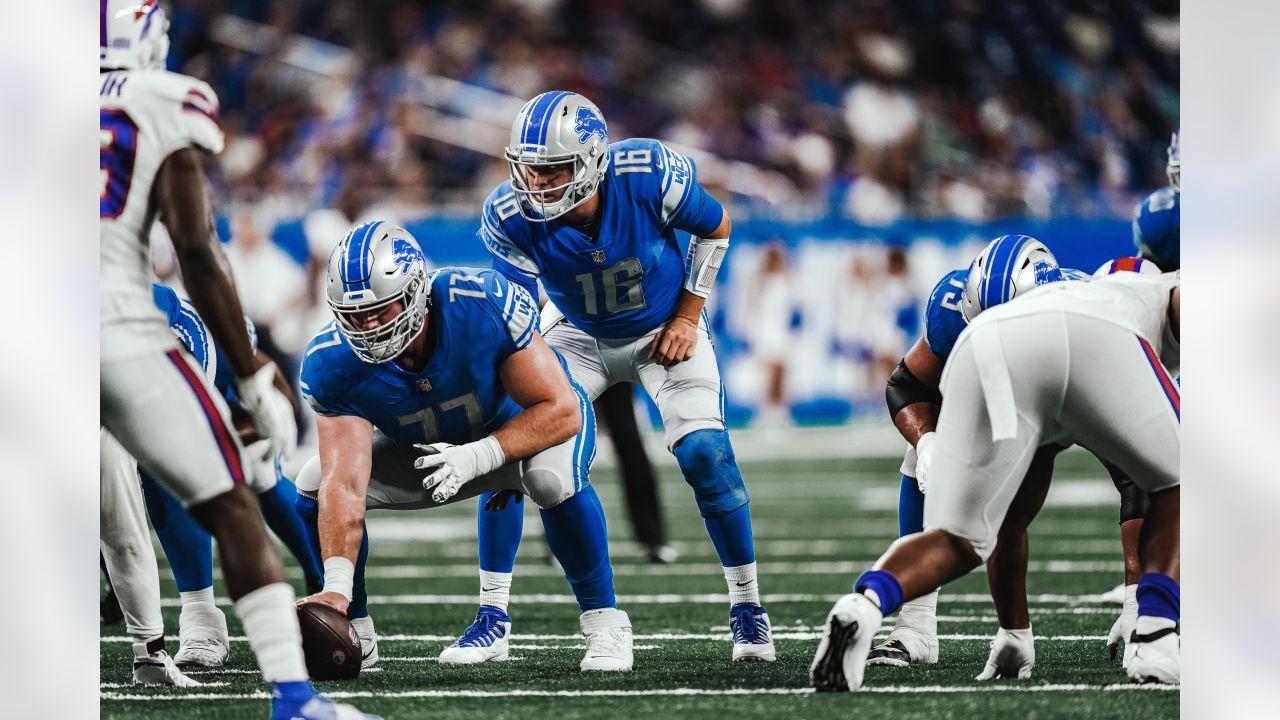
pixel 1157 225
pixel 626 282
pixel 943 321
pixel 190 329
pixel 478 320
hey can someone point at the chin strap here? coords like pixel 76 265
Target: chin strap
pixel 702 263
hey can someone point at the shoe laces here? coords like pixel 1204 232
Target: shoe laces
pixel 607 641
pixel 747 625
pixel 485 630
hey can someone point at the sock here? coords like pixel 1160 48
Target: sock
pixel 499 534
pixel 495 589
pixel 1158 596
pixel 731 535
pixel 197 598
pixel 576 533
pixel 309 512
pixel 271 624
pixel 1148 624
pixel 142 647
pixel 743 587
pixel 187 546
pixel 883 589
pixel 364 627
pixel 279 510
pixel 910 507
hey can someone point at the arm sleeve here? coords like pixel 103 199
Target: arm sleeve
pixel 685 204
pixel 516 310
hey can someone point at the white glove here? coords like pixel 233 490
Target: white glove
pixel 271 412
pixel 924 456
pixel 1013 654
pixel 457 465
pixel 1123 627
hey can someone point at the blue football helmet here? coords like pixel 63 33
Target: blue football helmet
pixel 557 128
pixel 375 265
pixel 1174 168
pixel 1009 266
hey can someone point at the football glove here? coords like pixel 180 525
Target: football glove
pixel 1123 627
pixel 1013 654
pixel 271 412
pixel 457 465
pixel 924 456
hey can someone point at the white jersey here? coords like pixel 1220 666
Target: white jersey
pixel 1136 302
pixel 145 116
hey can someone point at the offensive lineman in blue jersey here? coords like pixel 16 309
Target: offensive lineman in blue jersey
pixel 1009 266
pixel 1157 222
pixel 189 548
pixel 451 364
pixel 596 223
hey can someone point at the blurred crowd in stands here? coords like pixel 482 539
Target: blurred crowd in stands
pixel 873 111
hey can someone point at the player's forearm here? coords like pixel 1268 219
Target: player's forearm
pixel 341 519
pixel 538 427
pixel 689 307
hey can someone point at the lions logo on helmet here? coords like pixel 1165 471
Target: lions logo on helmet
pixel 133 35
pixel 1009 266
pixel 557 128
pixel 1127 264
pixel 376 265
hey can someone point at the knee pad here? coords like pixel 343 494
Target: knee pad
pixel 707 462
pixel 546 488
pixel 308 480
pixel 1133 501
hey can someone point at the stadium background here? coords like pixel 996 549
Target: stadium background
pixel 863 148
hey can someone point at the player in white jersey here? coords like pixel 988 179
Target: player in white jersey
pixel 156 128
pixel 1080 363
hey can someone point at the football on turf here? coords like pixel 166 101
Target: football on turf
pixel 329 643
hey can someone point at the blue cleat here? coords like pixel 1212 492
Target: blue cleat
pixel 752 638
pixel 488 638
pixel 300 701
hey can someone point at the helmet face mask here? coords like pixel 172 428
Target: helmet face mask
pixel 134 35
pixel 376 266
pixel 556 128
pixel 1008 266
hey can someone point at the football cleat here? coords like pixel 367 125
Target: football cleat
pixel 368 641
pixel 157 668
pixel 914 639
pixel 317 707
pixel 846 640
pixel 608 634
pixel 661 554
pixel 1156 657
pixel 488 638
pixel 752 636
pixel 202 637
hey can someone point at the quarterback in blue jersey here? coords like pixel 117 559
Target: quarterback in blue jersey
pixel 596 223
pixel 1157 221
pixel 435 387
pixel 189 548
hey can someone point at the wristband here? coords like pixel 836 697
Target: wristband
pixel 339 576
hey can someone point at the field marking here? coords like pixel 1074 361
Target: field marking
pixel 657 692
pixel 671 599
pixel 778 634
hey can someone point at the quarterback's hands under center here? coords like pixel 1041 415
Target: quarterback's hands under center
pixel 675 342
pixel 332 599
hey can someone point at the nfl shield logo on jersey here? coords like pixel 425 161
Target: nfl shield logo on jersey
pixel 597 255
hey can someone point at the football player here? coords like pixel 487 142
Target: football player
pixel 451 364
pixel 1157 221
pixel 1070 363
pixel 155 130
pixel 596 223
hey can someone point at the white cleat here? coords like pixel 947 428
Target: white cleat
pixel 905 646
pixel 488 638
pixel 846 641
pixel 608 634
pixel 752 634
pixel 1156 657
pixel 202 638
pixel 157 668
pixel 368 641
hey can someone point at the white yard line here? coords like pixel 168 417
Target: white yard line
pixel 779 634
pixel 657 692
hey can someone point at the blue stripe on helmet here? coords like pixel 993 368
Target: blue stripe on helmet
pixel 536 131
pixel 998 282
pixel 355 270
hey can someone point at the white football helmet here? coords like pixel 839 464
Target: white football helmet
pixel 1009 266
pixel 1127 264
pixel 1174 168
pixel 555 128
pixel 134 35
pixel 375 265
